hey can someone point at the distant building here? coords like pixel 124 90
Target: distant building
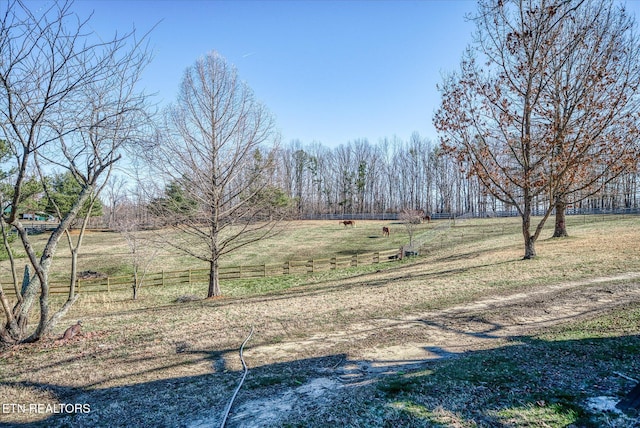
pixel 39 216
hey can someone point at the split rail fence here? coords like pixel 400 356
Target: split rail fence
pixel 193 276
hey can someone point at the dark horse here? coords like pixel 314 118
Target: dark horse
pixel 348 223
pixel 385 231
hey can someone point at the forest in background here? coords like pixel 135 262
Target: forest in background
pixel 380 180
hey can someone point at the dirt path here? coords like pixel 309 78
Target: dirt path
pixel 382 346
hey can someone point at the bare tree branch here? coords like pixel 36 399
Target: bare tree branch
pixel 218 151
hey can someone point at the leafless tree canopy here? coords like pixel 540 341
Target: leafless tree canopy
pixel 218 150
pixel 67 103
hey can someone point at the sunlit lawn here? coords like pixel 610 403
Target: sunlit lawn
pixel 138 344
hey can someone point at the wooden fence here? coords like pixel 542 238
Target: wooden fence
pixel 192 276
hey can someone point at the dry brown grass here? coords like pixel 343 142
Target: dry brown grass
pixel 108 252
pixel 171 360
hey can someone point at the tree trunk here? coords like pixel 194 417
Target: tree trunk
pixel 136 284
pixel 214 284
pixel 59 315
pixel 39 283
pixel 560 230
pixel 74 272
pixel 12 262
pixel 529 248
pixel 9 332
pixel 529 240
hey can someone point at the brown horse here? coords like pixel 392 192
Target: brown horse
pixel 427 218
pixel 348 223
pixel 385 231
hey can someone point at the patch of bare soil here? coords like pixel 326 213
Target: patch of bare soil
pixel 90 274
pixel 381 346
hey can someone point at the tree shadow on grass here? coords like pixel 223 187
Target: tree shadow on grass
pixel 171 402
pixel 318 286
pixel 531 382
pixel 528 382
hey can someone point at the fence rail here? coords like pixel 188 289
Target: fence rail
pixel 192 276
pixel 478 214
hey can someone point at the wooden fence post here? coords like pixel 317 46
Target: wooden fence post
pixel 256 271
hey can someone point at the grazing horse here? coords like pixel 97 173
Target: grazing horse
pixel 427 218
pixel 348 223
pixel 385 231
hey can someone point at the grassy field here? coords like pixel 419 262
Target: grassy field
pixel 466 334
pixel 108 252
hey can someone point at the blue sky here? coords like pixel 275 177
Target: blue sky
pixel 329 71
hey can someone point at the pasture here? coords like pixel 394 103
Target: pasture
pixel 466 334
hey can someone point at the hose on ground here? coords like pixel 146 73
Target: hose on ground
pixel 246 370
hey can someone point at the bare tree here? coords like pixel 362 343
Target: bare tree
pixel 67 102
pixel 218 155
pixel 142 251
pixel 411 220
pixel 394 175
pixel 499 115
pixel 115 192
pixel 83 214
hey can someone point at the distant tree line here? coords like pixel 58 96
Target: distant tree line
pixel 358 177
pixel 312 180
pixel 394 175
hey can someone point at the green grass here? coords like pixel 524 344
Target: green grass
pixel 537 381
pixel 172 356
pixel 108 252
pixel 473 257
